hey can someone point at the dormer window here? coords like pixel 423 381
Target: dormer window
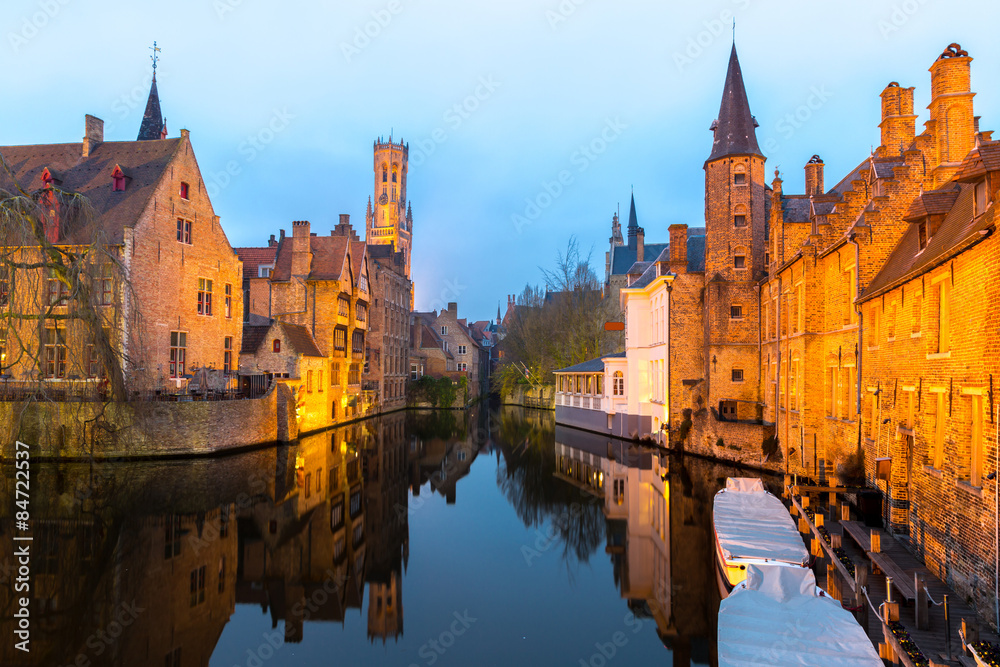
pixel 184 190
pixel 922 234
pixel 118 180
pixel 981 198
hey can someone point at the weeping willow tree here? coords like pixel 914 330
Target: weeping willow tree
pixel 559 326
pixel 69 327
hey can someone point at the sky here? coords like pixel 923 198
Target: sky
pixel 529 121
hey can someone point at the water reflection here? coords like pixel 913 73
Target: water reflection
pixel 244 558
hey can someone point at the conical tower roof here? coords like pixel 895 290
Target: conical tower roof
pixel 734 129
pixel 152 120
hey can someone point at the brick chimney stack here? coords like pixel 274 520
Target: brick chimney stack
pixel 814 176
pixel 952 121
pixel 640 241
pixel 301 248
pixel 678 248
pixel 898 120
pixel 93 134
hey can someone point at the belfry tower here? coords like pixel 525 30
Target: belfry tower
pixel 389 221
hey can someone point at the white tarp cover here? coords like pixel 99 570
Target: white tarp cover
pixel 745 484
pixel 778 618
pixel 755 524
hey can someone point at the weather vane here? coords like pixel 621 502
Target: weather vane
pixel 156 50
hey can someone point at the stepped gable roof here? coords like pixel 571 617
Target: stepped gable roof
pixel 252 258
pixel 958 230
pixel 735 128
pixel 932 202
pixel 143 162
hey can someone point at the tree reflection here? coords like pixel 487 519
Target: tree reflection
pixel 527 479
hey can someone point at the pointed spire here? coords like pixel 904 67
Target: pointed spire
pixel 633 220
pixel 153 125
pixel 734 128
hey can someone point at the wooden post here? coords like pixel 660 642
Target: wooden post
pixel 803 526
pixel 788 482
pixel 845 512
pixel 947 626
pixel 794 510
pixel 819 519
pixel 971 633
pixel 833 582
pixel 920 610
pixel 860 584
pixel 805 502
pixel 836 541
pixel 890 653
pixel 876 541
pixel 816 548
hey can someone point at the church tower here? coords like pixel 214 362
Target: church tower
pixel 735 242
pixel 389 221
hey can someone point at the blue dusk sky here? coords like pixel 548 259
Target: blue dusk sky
pixel 529 121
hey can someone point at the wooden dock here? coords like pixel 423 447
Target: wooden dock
pixel 877 556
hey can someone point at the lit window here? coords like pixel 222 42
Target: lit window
pixel 55 353
pixel 618 380
pixel 340 339
pixel 204 296
pixel 343 307
pixel 943 316
pixel 227 354
pixel 178 353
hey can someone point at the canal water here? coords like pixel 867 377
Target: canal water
pixel 439 538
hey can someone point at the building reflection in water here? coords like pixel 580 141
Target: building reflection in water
pixel 144 563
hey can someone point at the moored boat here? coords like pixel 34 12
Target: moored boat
pixel 779 617
pixel 752 527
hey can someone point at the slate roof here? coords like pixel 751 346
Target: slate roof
pixel 300 339
pixel 633 219
pixel 983 158
pixel 845 183
pixel 933 202
pixel 907 261
pixel 625 256
pixel 590 366
pixel 795 208
pixel 152 120
pixel 329 254
pixel 253 336
pixel 143 162
pixel 734 130
pixel 885 167
pixel 252 258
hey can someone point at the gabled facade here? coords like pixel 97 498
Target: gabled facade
pixel 151 210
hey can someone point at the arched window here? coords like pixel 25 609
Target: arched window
pixel 395 174
pixel 619 383
pixel 740 216
pixel 385 173
pixel 739 175
pixel 276 345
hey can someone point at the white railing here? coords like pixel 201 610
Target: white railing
pixel 596 403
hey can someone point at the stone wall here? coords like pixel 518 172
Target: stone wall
pixel 140 429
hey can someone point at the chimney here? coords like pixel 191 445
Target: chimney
pixel 93 134
pixel 898 120
pixel 345 218
pixel 640 238
pixel 678 248
pixel 271 243
pixel 453 308
pixel 814 176
pixel 301 248
pixel 952 120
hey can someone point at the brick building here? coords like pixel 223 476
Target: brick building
pixel 858 317
pixel 442 345
pixel 149 205
pixel 390 220
pixel 320 283
pixel 387 362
